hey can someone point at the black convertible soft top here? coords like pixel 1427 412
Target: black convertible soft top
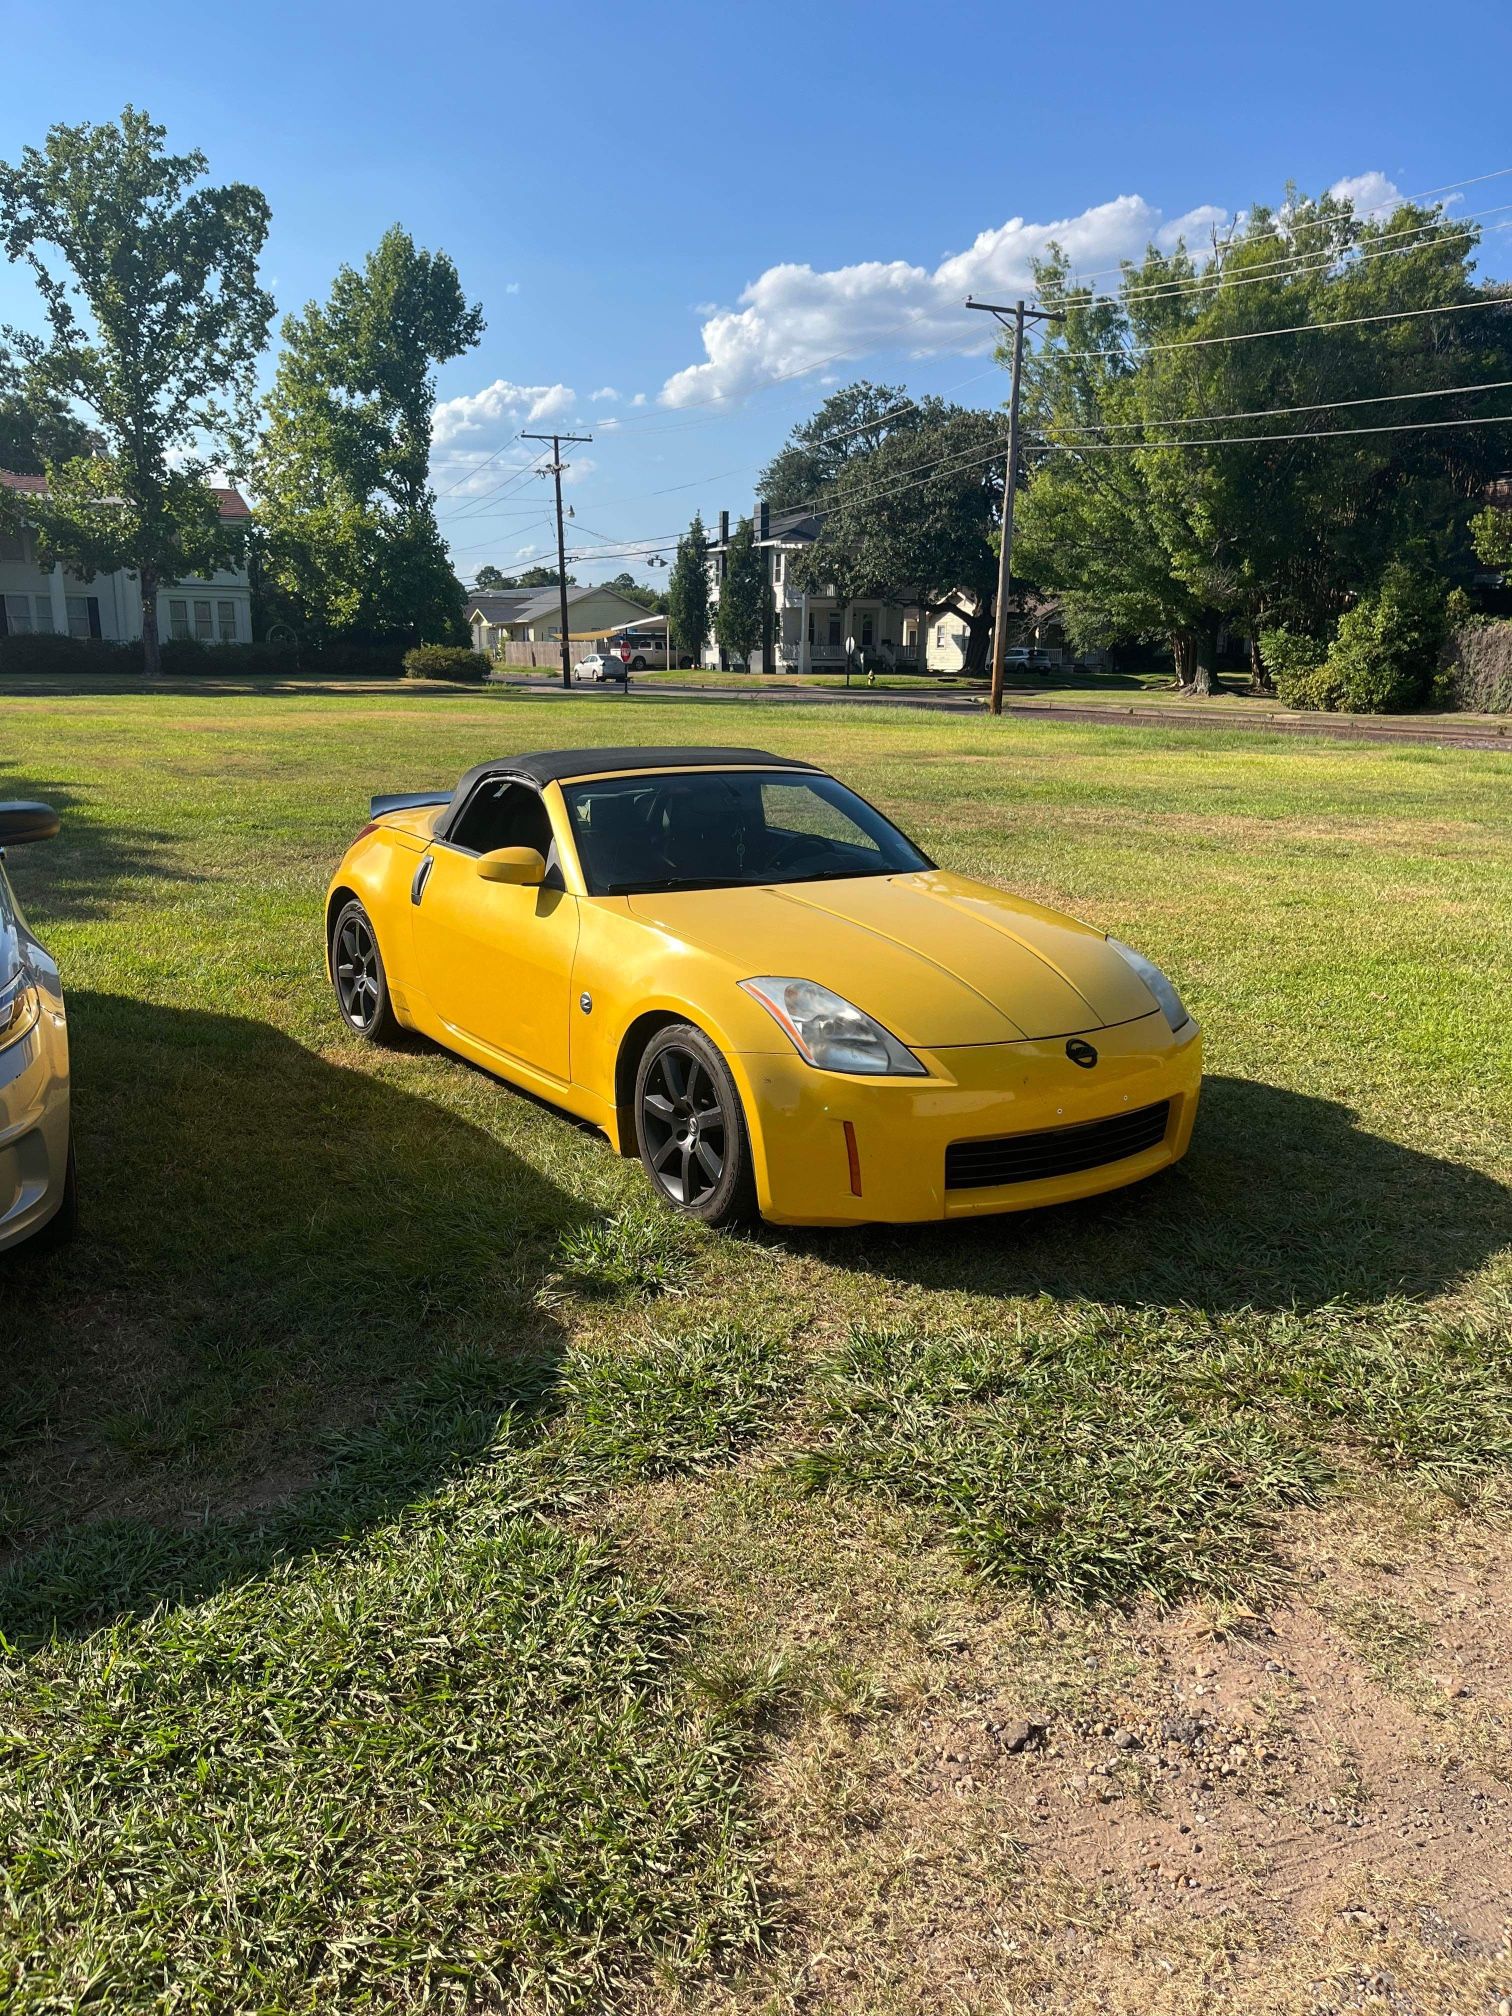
pixel 548 766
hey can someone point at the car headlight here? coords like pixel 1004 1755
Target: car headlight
pixel 1156 981
pixel 829 1032
pixel 20 1006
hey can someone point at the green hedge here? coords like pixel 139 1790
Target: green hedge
pixel 445 661
pixel 1475 672
pixel 66 657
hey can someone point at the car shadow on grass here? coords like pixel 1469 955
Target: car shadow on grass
pixel 74 877
pixel 274 1246
pixel 1283 1201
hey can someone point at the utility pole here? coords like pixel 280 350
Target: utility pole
pixel 557 465
pixel 1020 315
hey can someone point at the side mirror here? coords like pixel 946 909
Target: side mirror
pixel 23 819
pixel 523 865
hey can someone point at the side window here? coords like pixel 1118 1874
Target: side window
pixel 503 815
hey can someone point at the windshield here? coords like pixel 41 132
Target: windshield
pixel 716 829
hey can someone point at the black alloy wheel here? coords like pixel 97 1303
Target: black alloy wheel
pixel 361 983
pixel 690 1130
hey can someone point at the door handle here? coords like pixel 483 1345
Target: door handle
pixel 422 876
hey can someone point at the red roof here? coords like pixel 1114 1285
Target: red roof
pixel 232 503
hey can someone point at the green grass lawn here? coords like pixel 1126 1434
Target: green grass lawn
pixel 419 1556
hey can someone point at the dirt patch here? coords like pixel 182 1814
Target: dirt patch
pixel 1305 1812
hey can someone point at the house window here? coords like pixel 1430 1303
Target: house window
pixel 777 559
pixel 83 615
pixel 939 633
pixel 225 622
pixel 834 628
pixel 178 619
pixel 866 631
pixel 202 628
pixel 18 614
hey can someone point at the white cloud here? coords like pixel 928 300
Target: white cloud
pixel 794 318
pixel 1367 192
pixel 607 424
pixel 513 287
pixel 639 399
pixel 496 405
pixel 1194 229
pixel 605 393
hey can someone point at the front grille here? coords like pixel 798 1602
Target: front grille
pixel 1058 1151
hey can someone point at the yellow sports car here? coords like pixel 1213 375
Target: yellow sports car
pixel 746 975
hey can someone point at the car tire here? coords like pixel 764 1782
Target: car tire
pixel 61 1228
pixel 691 1130
pixel 637 664
pixel 360 978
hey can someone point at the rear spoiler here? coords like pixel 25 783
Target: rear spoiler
pixel 405 801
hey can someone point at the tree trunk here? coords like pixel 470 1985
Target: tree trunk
pixel 1183 658
pixel 978 641
pixel 152 657
pixel 1261 682
pixel 1204 661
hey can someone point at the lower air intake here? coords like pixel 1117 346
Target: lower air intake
pixel 1058 1151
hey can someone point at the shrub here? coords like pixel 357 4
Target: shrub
pixel 66 657
pixel 1297 669
pixel 445 661
pixel 1384 653
pixel 1475 671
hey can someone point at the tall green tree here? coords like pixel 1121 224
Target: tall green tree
pixel 154 320
pixel 37 429
pixel 634 591
pixel 742 594
pixel 1280 526
pixel 490 577
pixel 850 422
pixel 344 499
pixel 688 594
pixel 914 521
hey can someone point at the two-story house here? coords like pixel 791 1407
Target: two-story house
pixel 808 627
pixel 215 609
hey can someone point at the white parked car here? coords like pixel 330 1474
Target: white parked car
pixel 600 665
pixel 38 1190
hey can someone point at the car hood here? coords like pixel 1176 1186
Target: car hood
pixel 940 960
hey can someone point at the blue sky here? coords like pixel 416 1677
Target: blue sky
pixel 715 213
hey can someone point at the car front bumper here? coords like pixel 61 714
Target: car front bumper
pixel 891 1168
pixel 33 1125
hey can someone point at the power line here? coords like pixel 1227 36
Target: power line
pixel 631 549
pixel 1267 412
pixel 1242 440
pixel 1297 267
pixel 1294 329
pixel 468 474
pixel 1321 223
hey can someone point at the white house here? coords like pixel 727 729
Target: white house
pixel 809 629
pixel 216 609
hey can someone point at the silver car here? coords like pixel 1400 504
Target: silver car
pixel 38 1189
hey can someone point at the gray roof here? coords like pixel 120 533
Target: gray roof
pixel 524 605
pixel 498 605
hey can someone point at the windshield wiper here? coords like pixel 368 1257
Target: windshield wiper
pixel 671 882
